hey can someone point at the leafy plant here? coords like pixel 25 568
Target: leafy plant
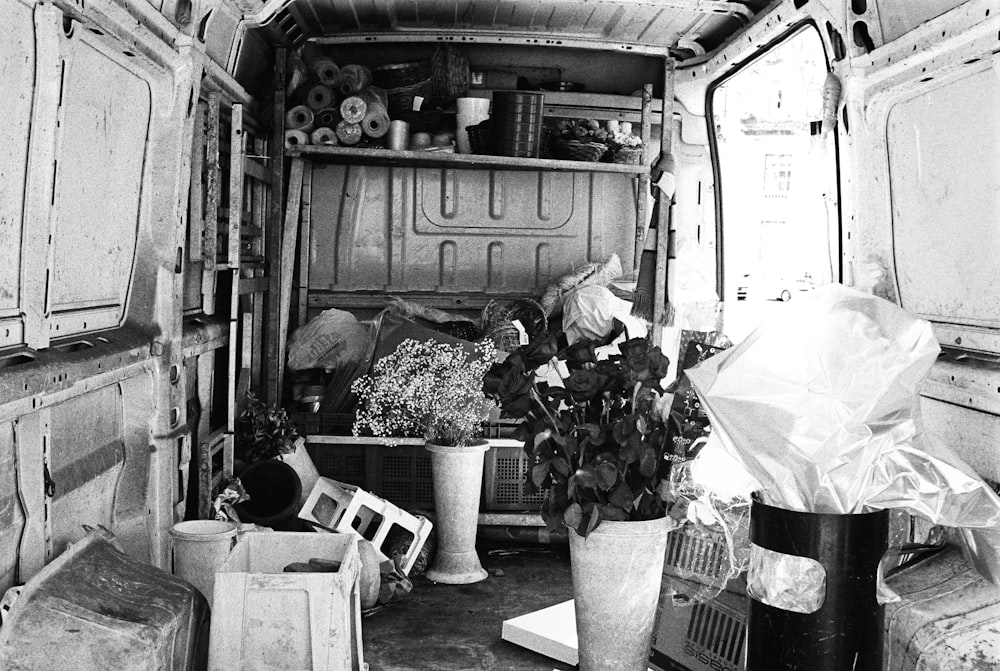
pixel 599 444
pixel 426 389
pixel 264 432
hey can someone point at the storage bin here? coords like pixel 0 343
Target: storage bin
pixel 265 618
pixel 503 478
pixel 95 608
pixel 400 474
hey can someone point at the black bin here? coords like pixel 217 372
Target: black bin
pixel 847 630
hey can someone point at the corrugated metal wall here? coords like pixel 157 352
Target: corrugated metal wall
pixel 407 229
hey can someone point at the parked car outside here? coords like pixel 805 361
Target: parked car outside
pixel 774 288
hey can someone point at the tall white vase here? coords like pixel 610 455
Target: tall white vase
pixel 457 473
pixel 617 571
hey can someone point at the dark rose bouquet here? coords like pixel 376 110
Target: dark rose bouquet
pixel 598 443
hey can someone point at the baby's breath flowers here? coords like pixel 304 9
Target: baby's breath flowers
pixel 426 389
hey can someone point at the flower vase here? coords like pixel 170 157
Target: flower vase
pixel 617 571
pixel 457 473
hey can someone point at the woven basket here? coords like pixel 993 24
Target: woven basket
pixel 498 322
pixel 424 121
pixel 627 155
pixel 574 150
pixel 449 75
pixel 398 75
pixel 481 137
pixel 401 98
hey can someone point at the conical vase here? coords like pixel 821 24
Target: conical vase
pixel 457 474
pixel 617 571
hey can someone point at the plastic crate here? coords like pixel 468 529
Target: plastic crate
pixel 696 554
pixel 400 474
pixel 503 478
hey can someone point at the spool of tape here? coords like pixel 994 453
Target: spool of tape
pixel 327 71
pixel 376 123
pixel 328 117
pixel 319 97
pixel 301 118
pixel 294 138
pixel 399 135
pixel 324 136
pixel 353 79
pixel 348 133
pixel 353 109
pixel 420 141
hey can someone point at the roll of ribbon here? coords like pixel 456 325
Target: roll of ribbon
pixel 327 71
pixel 376 122
pixel 301 118
pixel 328 117
pixel 348 133
pixel 319 97
pixel 399 135
pixel 374 95
pixel 353 79
pixel 324 135
pixel 294 138
pixel 420 141
pixel 353 109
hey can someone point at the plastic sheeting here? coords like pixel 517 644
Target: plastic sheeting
pixel 821 407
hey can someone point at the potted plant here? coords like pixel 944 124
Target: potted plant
pixel 435 391
pixel 276 473
pixel 599 445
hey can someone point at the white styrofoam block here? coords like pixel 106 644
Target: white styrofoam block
pixel 335 506
pixel 264 618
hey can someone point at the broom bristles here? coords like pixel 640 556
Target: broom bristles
pixel 642 297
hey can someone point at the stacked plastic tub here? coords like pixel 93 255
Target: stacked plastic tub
pixel 517 123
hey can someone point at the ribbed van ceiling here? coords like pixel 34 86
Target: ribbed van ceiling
pixel 685 27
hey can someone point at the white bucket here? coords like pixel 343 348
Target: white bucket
pixel 200 547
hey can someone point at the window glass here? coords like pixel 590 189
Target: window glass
pixel 778 182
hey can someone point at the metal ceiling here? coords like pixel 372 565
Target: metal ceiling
pixel 690 27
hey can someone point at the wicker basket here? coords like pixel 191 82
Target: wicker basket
pixel 574 150
pixel 481 137
pixel 498 322
pixel 424 121
pixel 401 98
pixel 449 75
pixel 627 155
pixel 398 75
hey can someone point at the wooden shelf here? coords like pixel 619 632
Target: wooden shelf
pixel 433 159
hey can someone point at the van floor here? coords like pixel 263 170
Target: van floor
pixel 439 627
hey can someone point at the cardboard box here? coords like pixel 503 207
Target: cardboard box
pixel 708 636
pixel 263 617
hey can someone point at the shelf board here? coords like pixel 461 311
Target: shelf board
pixel 433 159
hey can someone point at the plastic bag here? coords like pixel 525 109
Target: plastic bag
pixel 333 338
pixel 589 313
pixel 822 408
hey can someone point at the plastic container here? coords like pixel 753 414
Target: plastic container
pixel 847 630
pixel 200 547
pixel 265 618
pixel 503 478
pixel 95 608
pixel 275 491
pixel 517 123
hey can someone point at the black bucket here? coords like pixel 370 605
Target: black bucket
pixel 847 630
pixel 275 489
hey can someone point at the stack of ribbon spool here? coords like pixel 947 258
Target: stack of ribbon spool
pixel 339 106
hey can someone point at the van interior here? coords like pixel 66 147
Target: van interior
pixel 163 239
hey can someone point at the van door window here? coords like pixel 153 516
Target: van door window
pixel 777 177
